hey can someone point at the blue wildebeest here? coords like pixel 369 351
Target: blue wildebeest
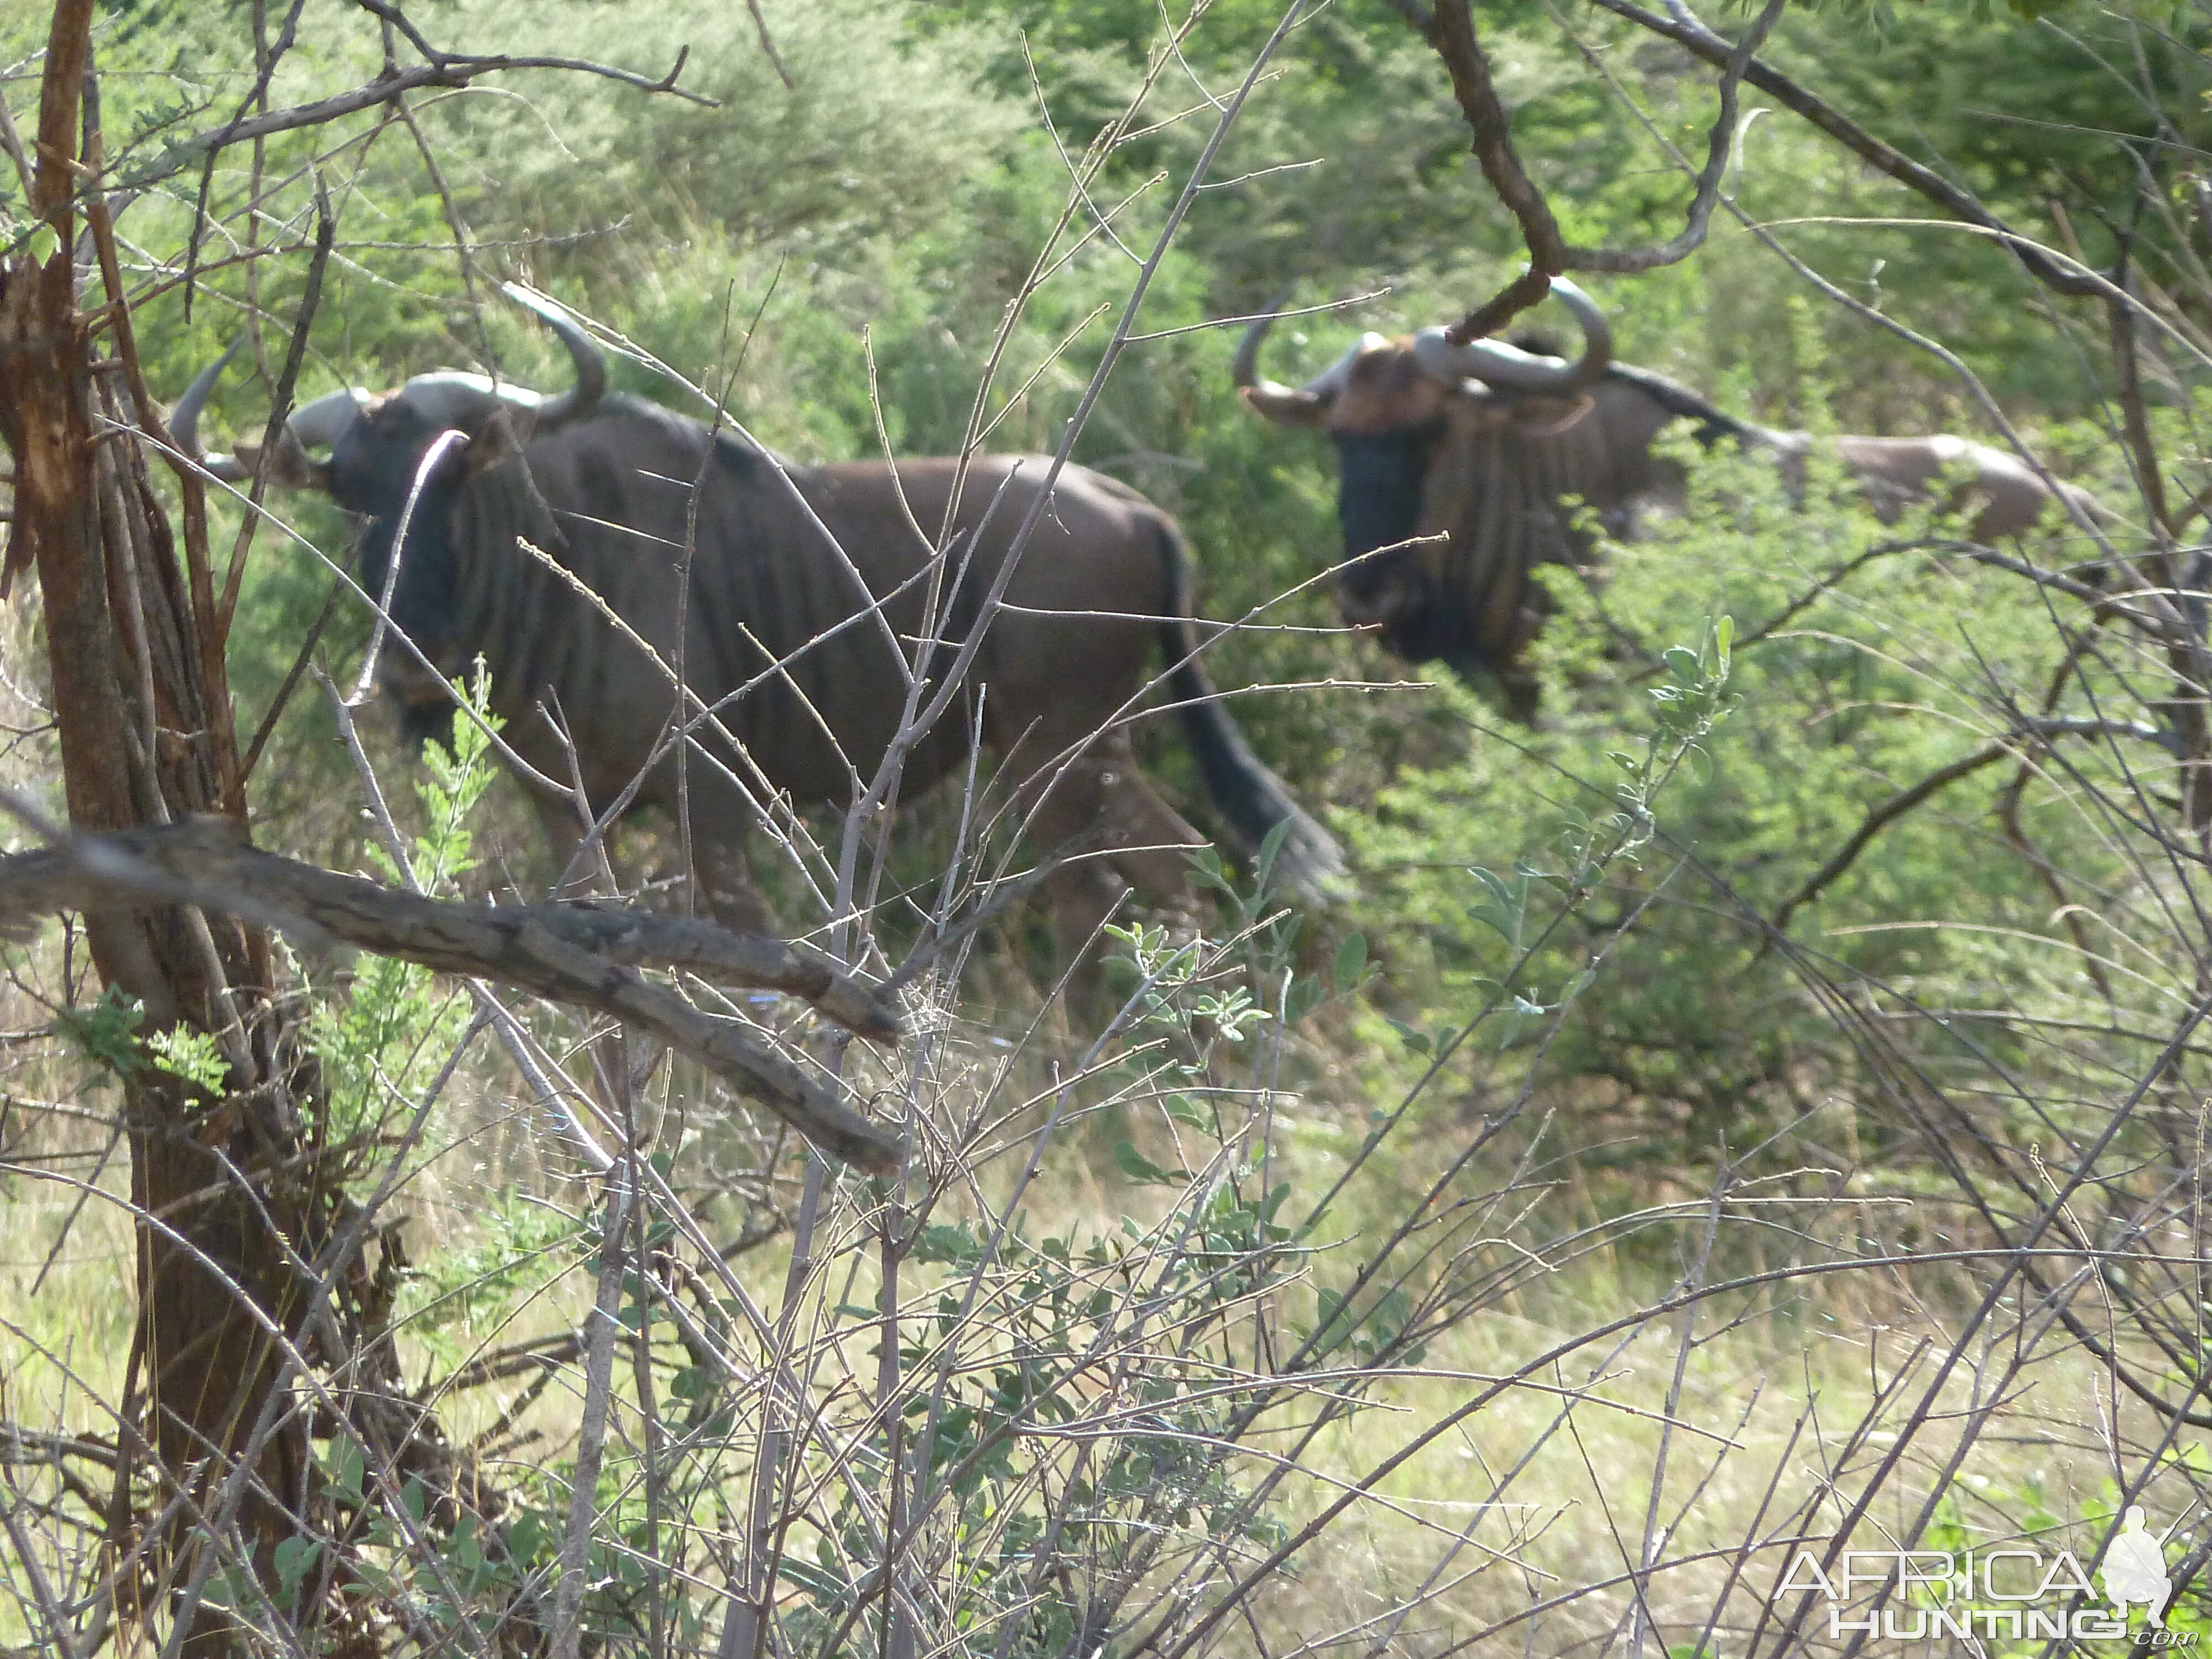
pixel 560 513
pixel 1457 463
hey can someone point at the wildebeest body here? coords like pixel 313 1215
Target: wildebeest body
pixel 591 549
pixel 770 609
pixel 1463 468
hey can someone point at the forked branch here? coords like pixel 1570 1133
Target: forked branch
pixel 2037 731
pixel 1451 30
pixel 1683 28
pixel 1448 28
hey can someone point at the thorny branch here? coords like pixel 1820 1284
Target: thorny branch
pixel 1682 27
pixel 445 72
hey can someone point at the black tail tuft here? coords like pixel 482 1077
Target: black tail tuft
pixel 1251 799
pixel 429 722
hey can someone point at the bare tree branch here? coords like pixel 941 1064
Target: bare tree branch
pixel 1941 779
pixel 446 72
pixel 575 954
pixel 1451 30
pixel 1684 28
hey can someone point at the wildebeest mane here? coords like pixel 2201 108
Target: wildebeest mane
pixel 743 458
pixel 1509 497
pixel 609 500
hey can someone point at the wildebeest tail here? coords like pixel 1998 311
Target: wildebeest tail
pixel 1251 799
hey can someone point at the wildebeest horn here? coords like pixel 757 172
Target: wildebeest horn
pixel 1244 367
pixel 320 424
pixel 1295 405
pixel 1496 363
pixel 459 397
pixel 583 350
pixel 184 421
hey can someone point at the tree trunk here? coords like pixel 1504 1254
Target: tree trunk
pixel 146 737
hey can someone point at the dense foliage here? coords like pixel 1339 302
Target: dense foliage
pixel 1845 856
pixel 800 251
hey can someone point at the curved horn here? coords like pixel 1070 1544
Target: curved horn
pixel 1295 405
pixel 459 397
pixel 321 424
pixel 584 351
pixel 1244 367
pixel 1496 363
pixel 184 421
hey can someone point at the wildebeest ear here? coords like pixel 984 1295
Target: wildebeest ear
pixel 504 433
pixel 1284 407
pixel 292 468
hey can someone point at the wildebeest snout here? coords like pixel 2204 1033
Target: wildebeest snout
pixel 1385 593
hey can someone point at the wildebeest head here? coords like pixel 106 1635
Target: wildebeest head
pixel 398 459
pixel 1411 418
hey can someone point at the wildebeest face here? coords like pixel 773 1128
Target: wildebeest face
pixel 378 449
pixel 1382 483
pixel 1394 410
pixel 1385 417
pixel 373 471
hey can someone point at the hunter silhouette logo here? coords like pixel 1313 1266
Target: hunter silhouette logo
pixel 2133 1568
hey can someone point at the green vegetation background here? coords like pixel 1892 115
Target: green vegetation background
pixel 889 205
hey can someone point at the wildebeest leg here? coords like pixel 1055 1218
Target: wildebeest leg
pixel 725 887
pixel 726 876
pixel 564 834
pixel 1105 815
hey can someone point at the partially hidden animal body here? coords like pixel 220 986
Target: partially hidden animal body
pixel 803 588
pixel 1460 467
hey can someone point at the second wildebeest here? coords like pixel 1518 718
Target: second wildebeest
pixel 1460 466
pixel 806 588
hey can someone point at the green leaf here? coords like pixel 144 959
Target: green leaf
pixel 1416 1040
pixel 940 1241
pixel 1351 963
pixel 292 1558
pixel 525 1537
pixel 1271 847
pixel 692 1382
pixel 465 1549
pixel 106 1033
pixel 344 1466
pixel 1139 1167
pixel 1186 1111
pixel 191 1056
